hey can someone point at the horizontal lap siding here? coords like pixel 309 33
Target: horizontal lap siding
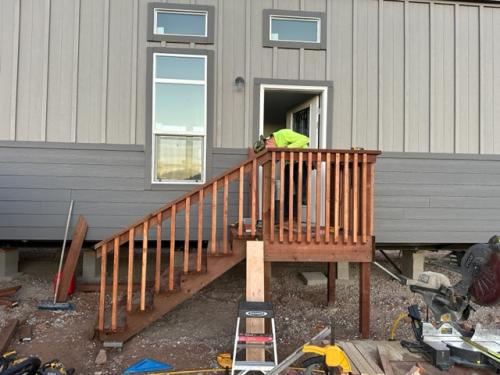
pixel 425 198
pixel 108 187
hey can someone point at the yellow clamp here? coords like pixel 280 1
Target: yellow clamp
pixel 334 356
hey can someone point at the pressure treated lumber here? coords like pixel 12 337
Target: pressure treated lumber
pixel 72 259
pixel 255 292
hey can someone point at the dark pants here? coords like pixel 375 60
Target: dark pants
pixel 286 186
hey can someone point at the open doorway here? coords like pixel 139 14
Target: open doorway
pixel 302 109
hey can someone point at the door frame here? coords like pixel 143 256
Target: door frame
pixel 320 90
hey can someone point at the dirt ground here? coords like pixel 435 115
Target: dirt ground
pixel 194 333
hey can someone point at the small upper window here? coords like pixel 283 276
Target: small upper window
pixel 294 29
pixel 181 23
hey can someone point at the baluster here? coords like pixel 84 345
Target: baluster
pixel 187 220
pixel 355 199
pixel 130 277
pixel 145 229
pixel 346 197
pixel 102 292
pixel 272 193
pixel 114 297
pixel 240 202
pixel 172 248
pixel 337 198
pixel 200 231
pixel 290 197
pixel 327 196
pixel 282 195
pixel 363 199
pixel 158 253
pixel 213 241
pixel 299 197
pixel 309 201
pixel 254 197
pixel 318 198
pixel 224 215
pixel 370 197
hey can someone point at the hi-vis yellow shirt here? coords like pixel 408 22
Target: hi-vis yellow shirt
pixel 290 139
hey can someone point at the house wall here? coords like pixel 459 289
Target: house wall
pixel 419 80
pixel 409 76
pixel 419 197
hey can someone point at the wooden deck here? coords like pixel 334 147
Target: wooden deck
pixel 369 357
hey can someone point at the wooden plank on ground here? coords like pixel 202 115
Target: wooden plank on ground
pixel 357 359
pixel 72 258
pixel 384 360
pixel 369 354
pixel 7 333
pixel 9 291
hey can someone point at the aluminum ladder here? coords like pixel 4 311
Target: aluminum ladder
pixel 255 310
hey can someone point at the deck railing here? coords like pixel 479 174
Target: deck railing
pixel 329 201
pixel 343 178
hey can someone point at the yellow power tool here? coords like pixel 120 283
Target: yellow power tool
pixel 331 357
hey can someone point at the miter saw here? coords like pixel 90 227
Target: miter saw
pixel 448 340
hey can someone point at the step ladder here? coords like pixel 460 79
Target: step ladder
pixel 255 310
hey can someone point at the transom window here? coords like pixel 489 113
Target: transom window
pixel 185 23
pixel 179 118
pixel 295 29
pixel 180 23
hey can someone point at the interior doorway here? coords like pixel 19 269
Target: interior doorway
pixel 302 109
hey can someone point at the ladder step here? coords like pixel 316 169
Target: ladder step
pixel 251 365
pixel 251 338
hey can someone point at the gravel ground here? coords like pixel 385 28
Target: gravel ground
pixel 195 332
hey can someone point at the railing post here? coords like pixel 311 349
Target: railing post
pixel 355 198
pixel 116 268
pixel 213 224
pixel 299 195
pixel 158 252
pixel 130 276
pixel 172 249
pixel 327 196
pixel 200 230
pixel 145 229
pixel 271 196
pixel 318 197
pixel 267 226
pixel 102 291
pixel 224 216
pixel 187 219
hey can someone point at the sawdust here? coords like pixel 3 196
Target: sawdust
pixel 195 332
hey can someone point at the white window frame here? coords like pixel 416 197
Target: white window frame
pixel 177 11
pixel 299 18
pixel 178 133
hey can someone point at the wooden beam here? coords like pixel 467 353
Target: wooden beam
pixel 7 334
pixel 255 292
pixel 364 299
pixel 72 259
pixel 332 275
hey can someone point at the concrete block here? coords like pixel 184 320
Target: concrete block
pixel 9 264
pixel 91 270
pixel 413 264
pixel 314 278
pixel 343 270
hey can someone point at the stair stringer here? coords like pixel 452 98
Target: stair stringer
pixel 190 285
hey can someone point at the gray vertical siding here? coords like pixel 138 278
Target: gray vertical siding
pixel 410 76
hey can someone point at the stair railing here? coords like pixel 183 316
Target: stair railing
pixel 198 199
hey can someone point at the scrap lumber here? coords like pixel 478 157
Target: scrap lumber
pixel 7 333
pixel 72 259
pixel 356 358
pixel 6 292
pixel 369 353
pixel 384 360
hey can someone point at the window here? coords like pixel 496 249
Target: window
pixel 179 118
pixel 292 29
pixel 289 29
pixel 181 23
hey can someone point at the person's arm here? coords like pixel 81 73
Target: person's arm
pixel 299 141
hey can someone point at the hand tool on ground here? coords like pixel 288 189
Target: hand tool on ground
pixel 54 305
pixel 447 340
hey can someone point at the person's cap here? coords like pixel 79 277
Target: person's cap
pixel 260 144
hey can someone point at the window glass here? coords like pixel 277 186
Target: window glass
pixel 179 108
pixel 178 67
pixel 180 23
pixel 294 29
pixel 179 158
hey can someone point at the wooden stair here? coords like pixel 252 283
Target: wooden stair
pixel 162 303
pixel 213 242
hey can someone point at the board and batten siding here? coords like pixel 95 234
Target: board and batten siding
pixel 409 76
pixel 419 198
